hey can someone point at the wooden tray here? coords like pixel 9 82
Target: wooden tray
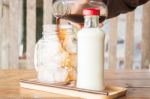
pixel 110 92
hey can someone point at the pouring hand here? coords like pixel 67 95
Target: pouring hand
pixel 78 7
pixel 81 25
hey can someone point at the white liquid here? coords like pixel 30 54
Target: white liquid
pixel 90 70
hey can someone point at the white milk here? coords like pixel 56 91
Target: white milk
pixel 90 60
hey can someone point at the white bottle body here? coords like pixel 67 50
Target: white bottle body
pixel 90 70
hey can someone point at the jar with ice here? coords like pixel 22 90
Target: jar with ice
pixel 55 59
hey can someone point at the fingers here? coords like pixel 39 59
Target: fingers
pixel 101 25
pixel 81 25
pixel 78 7
pixel 83 1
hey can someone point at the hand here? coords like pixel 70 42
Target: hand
pixel 78 7
pixel 81 25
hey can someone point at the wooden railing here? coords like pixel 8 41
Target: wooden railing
pixel 129 40
pixel 11 20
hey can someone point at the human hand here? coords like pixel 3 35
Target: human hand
pixel 77 9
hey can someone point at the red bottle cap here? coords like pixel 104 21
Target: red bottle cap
pixel 91 11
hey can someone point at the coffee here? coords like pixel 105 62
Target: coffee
pixel 69 57
pixel 60 35
pixel 80 18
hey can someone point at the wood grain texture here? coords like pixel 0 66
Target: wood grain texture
pixel 137 83
pixel 47 19
pixel 134 83
pixel 146 36
pixel 128 74
pixel 20 27
pixel 129 40
pixel 113 43
pixel 31 31
pixel 14 33
pixel 137 93
pixel 110 92
pixel 5 36
pixel 0 29
pixel 9 86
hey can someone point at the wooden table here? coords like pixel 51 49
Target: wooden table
pixel 137 82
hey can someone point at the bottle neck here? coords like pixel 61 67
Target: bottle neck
pixel 91 21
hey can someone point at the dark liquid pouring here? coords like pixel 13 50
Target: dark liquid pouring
pixel 80 18
pixel 60 34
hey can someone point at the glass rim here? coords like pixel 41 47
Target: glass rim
pixel 54 25
pixel 50 29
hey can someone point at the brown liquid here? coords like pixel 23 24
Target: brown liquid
pixel 60 34
pixel 68 62
pixel 80 18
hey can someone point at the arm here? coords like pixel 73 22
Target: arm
pixel 116 7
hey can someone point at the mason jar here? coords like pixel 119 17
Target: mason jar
pixel 55 61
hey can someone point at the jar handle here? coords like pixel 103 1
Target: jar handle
pixel 35 57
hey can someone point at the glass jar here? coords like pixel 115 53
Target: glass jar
pixel 55 61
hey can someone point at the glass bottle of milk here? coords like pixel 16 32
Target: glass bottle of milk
pixel 90 52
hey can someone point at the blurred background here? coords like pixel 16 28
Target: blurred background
pixel 127 36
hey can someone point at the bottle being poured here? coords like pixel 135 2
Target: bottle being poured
pixel 71 10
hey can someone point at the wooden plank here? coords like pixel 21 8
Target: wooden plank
pixel 31 31
pixel 20 25
pixel 129 83
pixel 127 75
pixel 146 36
pixel 113 43
pixel 5 2
pixel 129 40
pixel 110 92
pixel 47 12
pixel 9 86
pixel 14 33
pixel 5 36
pixel 137 82
pixel 0 29
pixel 137 93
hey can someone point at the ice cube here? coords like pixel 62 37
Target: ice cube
pixel 58 58
pixel 70 44
pixel 52 75
pixel 45 75
pixel 60 75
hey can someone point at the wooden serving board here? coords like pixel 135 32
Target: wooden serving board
pixel 110 92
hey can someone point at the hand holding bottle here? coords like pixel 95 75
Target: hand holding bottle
pixel 71 10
